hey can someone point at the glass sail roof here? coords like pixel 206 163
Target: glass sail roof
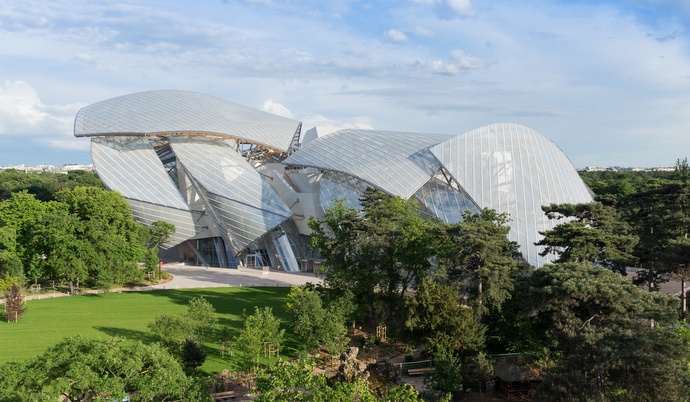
pixel 130 166
pixel 512 168
pixel 396 162
pixel 157 112
pixel 246 205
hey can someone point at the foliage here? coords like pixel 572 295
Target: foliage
pixel 308 315
pixel 87 234
pixel 477 253
pixel 14 302
pixel 260 327
pixel 193 354
pixel 591 232
pixel 81 369
pixel 157 234
pixel 296 381
pixel 447 376
pixel 377 254
pixel 476 371
pixel 193 325
pixel 437 318
pixel 605 346
pixel 315 324
pixel 44 185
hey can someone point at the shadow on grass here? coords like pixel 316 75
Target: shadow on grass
pixel 131 334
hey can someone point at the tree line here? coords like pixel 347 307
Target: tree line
pixel 71 231
pixel 461 291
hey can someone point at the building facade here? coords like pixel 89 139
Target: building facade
pixel 240 184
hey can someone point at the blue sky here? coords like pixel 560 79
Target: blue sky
pixel 607 81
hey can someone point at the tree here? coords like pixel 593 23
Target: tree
pixel 14 302
pixel 308 315
pixel 193 325
pixel 158 233
pixel 377 254
pixel 111 238
pixel 447 376
pixel 81 369
pixel 314 323
pixel 193 354
pixel 436 317
pixel 478 254
pixel 296 381
pixel 260 327
pixel 591 232
pixel 605 347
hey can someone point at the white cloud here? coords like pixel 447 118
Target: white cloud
pixel 23 113
pixel 441 67
pixel 461 7
pixel 461 62
pixel 447 9
pixel 396 35
pixel 276 108
pixel 326 125
pixel 19 107
pixel 465 61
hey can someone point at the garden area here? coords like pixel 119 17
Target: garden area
pixel 128 314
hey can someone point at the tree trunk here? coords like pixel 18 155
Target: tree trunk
pixel 683 299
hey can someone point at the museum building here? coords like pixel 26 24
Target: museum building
pixel 240 184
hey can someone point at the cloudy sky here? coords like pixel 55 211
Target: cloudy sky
pixel 607 81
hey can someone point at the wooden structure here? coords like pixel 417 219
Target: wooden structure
pixel 223 396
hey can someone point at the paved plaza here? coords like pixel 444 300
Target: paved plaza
pixel 185 276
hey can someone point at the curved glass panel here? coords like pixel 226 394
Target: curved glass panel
pixel 246 206
pixel 336 186
pixel 512 168
pixel 183 111
pixel 396 162
pixel 130 166
pixel 445 202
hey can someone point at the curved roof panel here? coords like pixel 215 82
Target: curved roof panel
pixel 130 166
pixel 245 204
pixel 512 168
pixel 169 111
pixel 399 163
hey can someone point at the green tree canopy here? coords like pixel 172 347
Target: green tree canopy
pixel 591 232
pixel 477 254
pixel 378 253
pixel 81 369
pixel 606 348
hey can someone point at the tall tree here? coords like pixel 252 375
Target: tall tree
pixel 260 327
pixel 107 227
pixel 478 254
pixel 590 232
pixel 605 347
pixel 438 319
pixel 377 254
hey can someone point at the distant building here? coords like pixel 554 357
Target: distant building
pixel 240 184
pixel 47 168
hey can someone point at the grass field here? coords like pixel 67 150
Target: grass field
pixel 127 314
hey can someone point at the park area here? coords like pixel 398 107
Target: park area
pixel 127 315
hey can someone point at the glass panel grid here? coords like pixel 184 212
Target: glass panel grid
pixel 396 162
pixel 514 169
pixel 183 111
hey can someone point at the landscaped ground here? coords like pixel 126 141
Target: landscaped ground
pixel 127 314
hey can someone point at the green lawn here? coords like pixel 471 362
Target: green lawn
pixel 127 314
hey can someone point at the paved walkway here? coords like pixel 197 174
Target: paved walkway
pixel 186 276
